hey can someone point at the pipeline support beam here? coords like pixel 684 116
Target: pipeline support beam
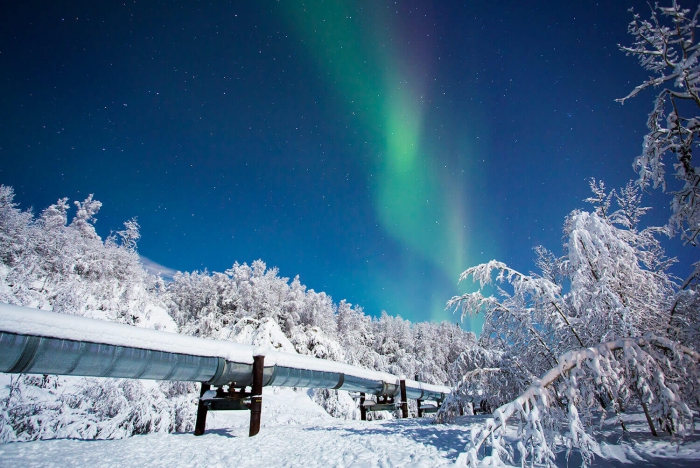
pixel 363 408
pixel 201 422
pixel 256 397
pixel 404 400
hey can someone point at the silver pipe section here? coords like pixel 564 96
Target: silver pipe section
pixel 41 342
pixel 28 354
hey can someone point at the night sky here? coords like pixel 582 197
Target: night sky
pixel 374 148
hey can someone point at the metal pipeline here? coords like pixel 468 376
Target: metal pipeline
pixel 40 342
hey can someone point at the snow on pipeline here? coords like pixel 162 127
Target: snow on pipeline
pixel 27 321
pixel 298 433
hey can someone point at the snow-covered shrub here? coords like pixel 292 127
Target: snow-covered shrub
pixel 264 333
pixel 314 342
pixel 45 407
pixel 493 379
pixel 337 403
pixel 584 387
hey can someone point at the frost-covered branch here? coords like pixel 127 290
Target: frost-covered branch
pixel 664 374
pixel 666 45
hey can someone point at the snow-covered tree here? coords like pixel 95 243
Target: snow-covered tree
pixel 616 286
pixel 14 227
pixel 665 44
pixel 596 330
pixel 85 216
pixel 221 305
pixel 50 264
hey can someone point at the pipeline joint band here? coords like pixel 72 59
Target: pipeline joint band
pixel 28 354
pixel 341 381
pixel 220 368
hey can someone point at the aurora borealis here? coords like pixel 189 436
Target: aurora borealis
pixel 382 80
pixel 376 149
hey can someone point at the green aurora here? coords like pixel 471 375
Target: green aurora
pixel 383 84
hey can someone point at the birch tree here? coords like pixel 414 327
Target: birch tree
pixel 665 44
pixel 596 325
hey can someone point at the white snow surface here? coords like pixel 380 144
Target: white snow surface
pixel 27 321
pixel 295 433
pixel 298 433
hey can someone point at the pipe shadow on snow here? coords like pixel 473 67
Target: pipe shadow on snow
pixel 230 432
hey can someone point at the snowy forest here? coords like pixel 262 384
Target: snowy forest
pixel 600 329
pixel 53 264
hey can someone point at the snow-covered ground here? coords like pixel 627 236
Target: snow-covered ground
pixel 298 433
pixel 295 433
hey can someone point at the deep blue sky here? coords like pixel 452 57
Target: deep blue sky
pixel 376 149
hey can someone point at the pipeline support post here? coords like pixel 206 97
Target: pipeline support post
pixel 363 408
pixel 404 400
pixel 420 411
pixel 256 394
pixel 201 422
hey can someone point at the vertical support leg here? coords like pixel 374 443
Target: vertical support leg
pixel 363 409
pixel 404 400
pixel 201 422
pixel 256 397
pixel 420 411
